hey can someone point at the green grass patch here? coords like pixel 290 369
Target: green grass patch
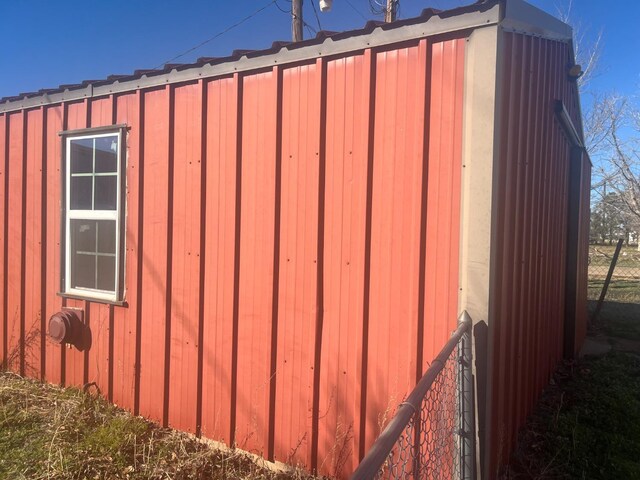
pixel 48 432
pixel 620 290
pixel 618 319
pixel 587 426
pixel 587 423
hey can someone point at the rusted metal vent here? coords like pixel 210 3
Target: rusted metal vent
pixel 63 326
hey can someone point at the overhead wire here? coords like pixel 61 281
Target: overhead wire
pixel 310 28
pixel 219 34
pixel 353 7
pixel 315 12
pixel 282 9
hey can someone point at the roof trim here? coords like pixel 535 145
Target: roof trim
pixel 525 18
pixel 474 16
pixel 511 15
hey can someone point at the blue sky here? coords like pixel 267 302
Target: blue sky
pixel 45 43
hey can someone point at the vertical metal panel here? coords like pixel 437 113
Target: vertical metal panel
pixel 97 316
pixel 78 116
pixel 101 111
pixel 297 305
pixel 329 220
pixel 256 260
pixel 443 196
pixel 345 198
pixel 531 228
pixel 154 251
pixel 442 236
pixel 583 254
pixel 395 233
pixel 186 257
pixel 124 333
pixel 54 352
pixel 33 236
pixel 4 180
pixel 220 244
pixel 15 310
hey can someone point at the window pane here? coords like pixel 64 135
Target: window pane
pixel 83 235
pixel 83 268
pixel 106 193
pixel 107 273
pixel 81 193
pixel 106 154
pixel 82 155
pixel 106 236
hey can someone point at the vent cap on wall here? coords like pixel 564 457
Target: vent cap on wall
pixel 63 326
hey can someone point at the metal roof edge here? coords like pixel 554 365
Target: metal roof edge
pixel 480 15
pixel 523 17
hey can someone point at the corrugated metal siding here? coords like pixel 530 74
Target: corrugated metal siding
pixel 78 115
pixel 531 226
pixel 220 246
pixel 291 248
pixel 55 354
pixel 583 254
pixel 156 186
pixel 4 187
pixel 345 206
pixel 124 347
pixel 15 234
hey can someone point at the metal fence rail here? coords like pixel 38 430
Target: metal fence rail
pixel 431 435
pixel 614 282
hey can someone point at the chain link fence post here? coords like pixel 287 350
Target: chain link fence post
pixel 466 407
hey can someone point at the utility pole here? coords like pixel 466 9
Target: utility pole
pixel 390 12
pixel 296 20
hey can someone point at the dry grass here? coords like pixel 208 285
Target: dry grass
pixel 48 432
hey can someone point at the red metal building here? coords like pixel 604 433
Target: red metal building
pixel 268 249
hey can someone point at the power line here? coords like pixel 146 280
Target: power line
pixel 315 12
pixel 311 29
pixel 356 10
pixel 282 9
pixel 231 27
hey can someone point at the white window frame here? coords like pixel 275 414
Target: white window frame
pixel 89 293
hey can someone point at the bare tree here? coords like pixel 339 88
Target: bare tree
pixel 616 154
pixel 611 131
pixel 587 50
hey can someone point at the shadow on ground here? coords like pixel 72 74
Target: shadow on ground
pixel 587 423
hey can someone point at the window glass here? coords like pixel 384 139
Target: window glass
pixel 83 235
pixel 82 155
pixel 93 254
pixel 83 268
pixel 106 191
pixel 81 193
pixel 106 273
pixel 92 248
pixel 106 149
pixel 106 236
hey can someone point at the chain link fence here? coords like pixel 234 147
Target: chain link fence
pixel 431 434
pixel 622 299
pixel 427 447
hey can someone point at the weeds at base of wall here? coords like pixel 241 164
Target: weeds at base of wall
pixel 586 425
pixel 54 433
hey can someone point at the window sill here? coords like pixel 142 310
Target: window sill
pixel 117 303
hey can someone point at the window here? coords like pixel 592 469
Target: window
pixel 93 216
